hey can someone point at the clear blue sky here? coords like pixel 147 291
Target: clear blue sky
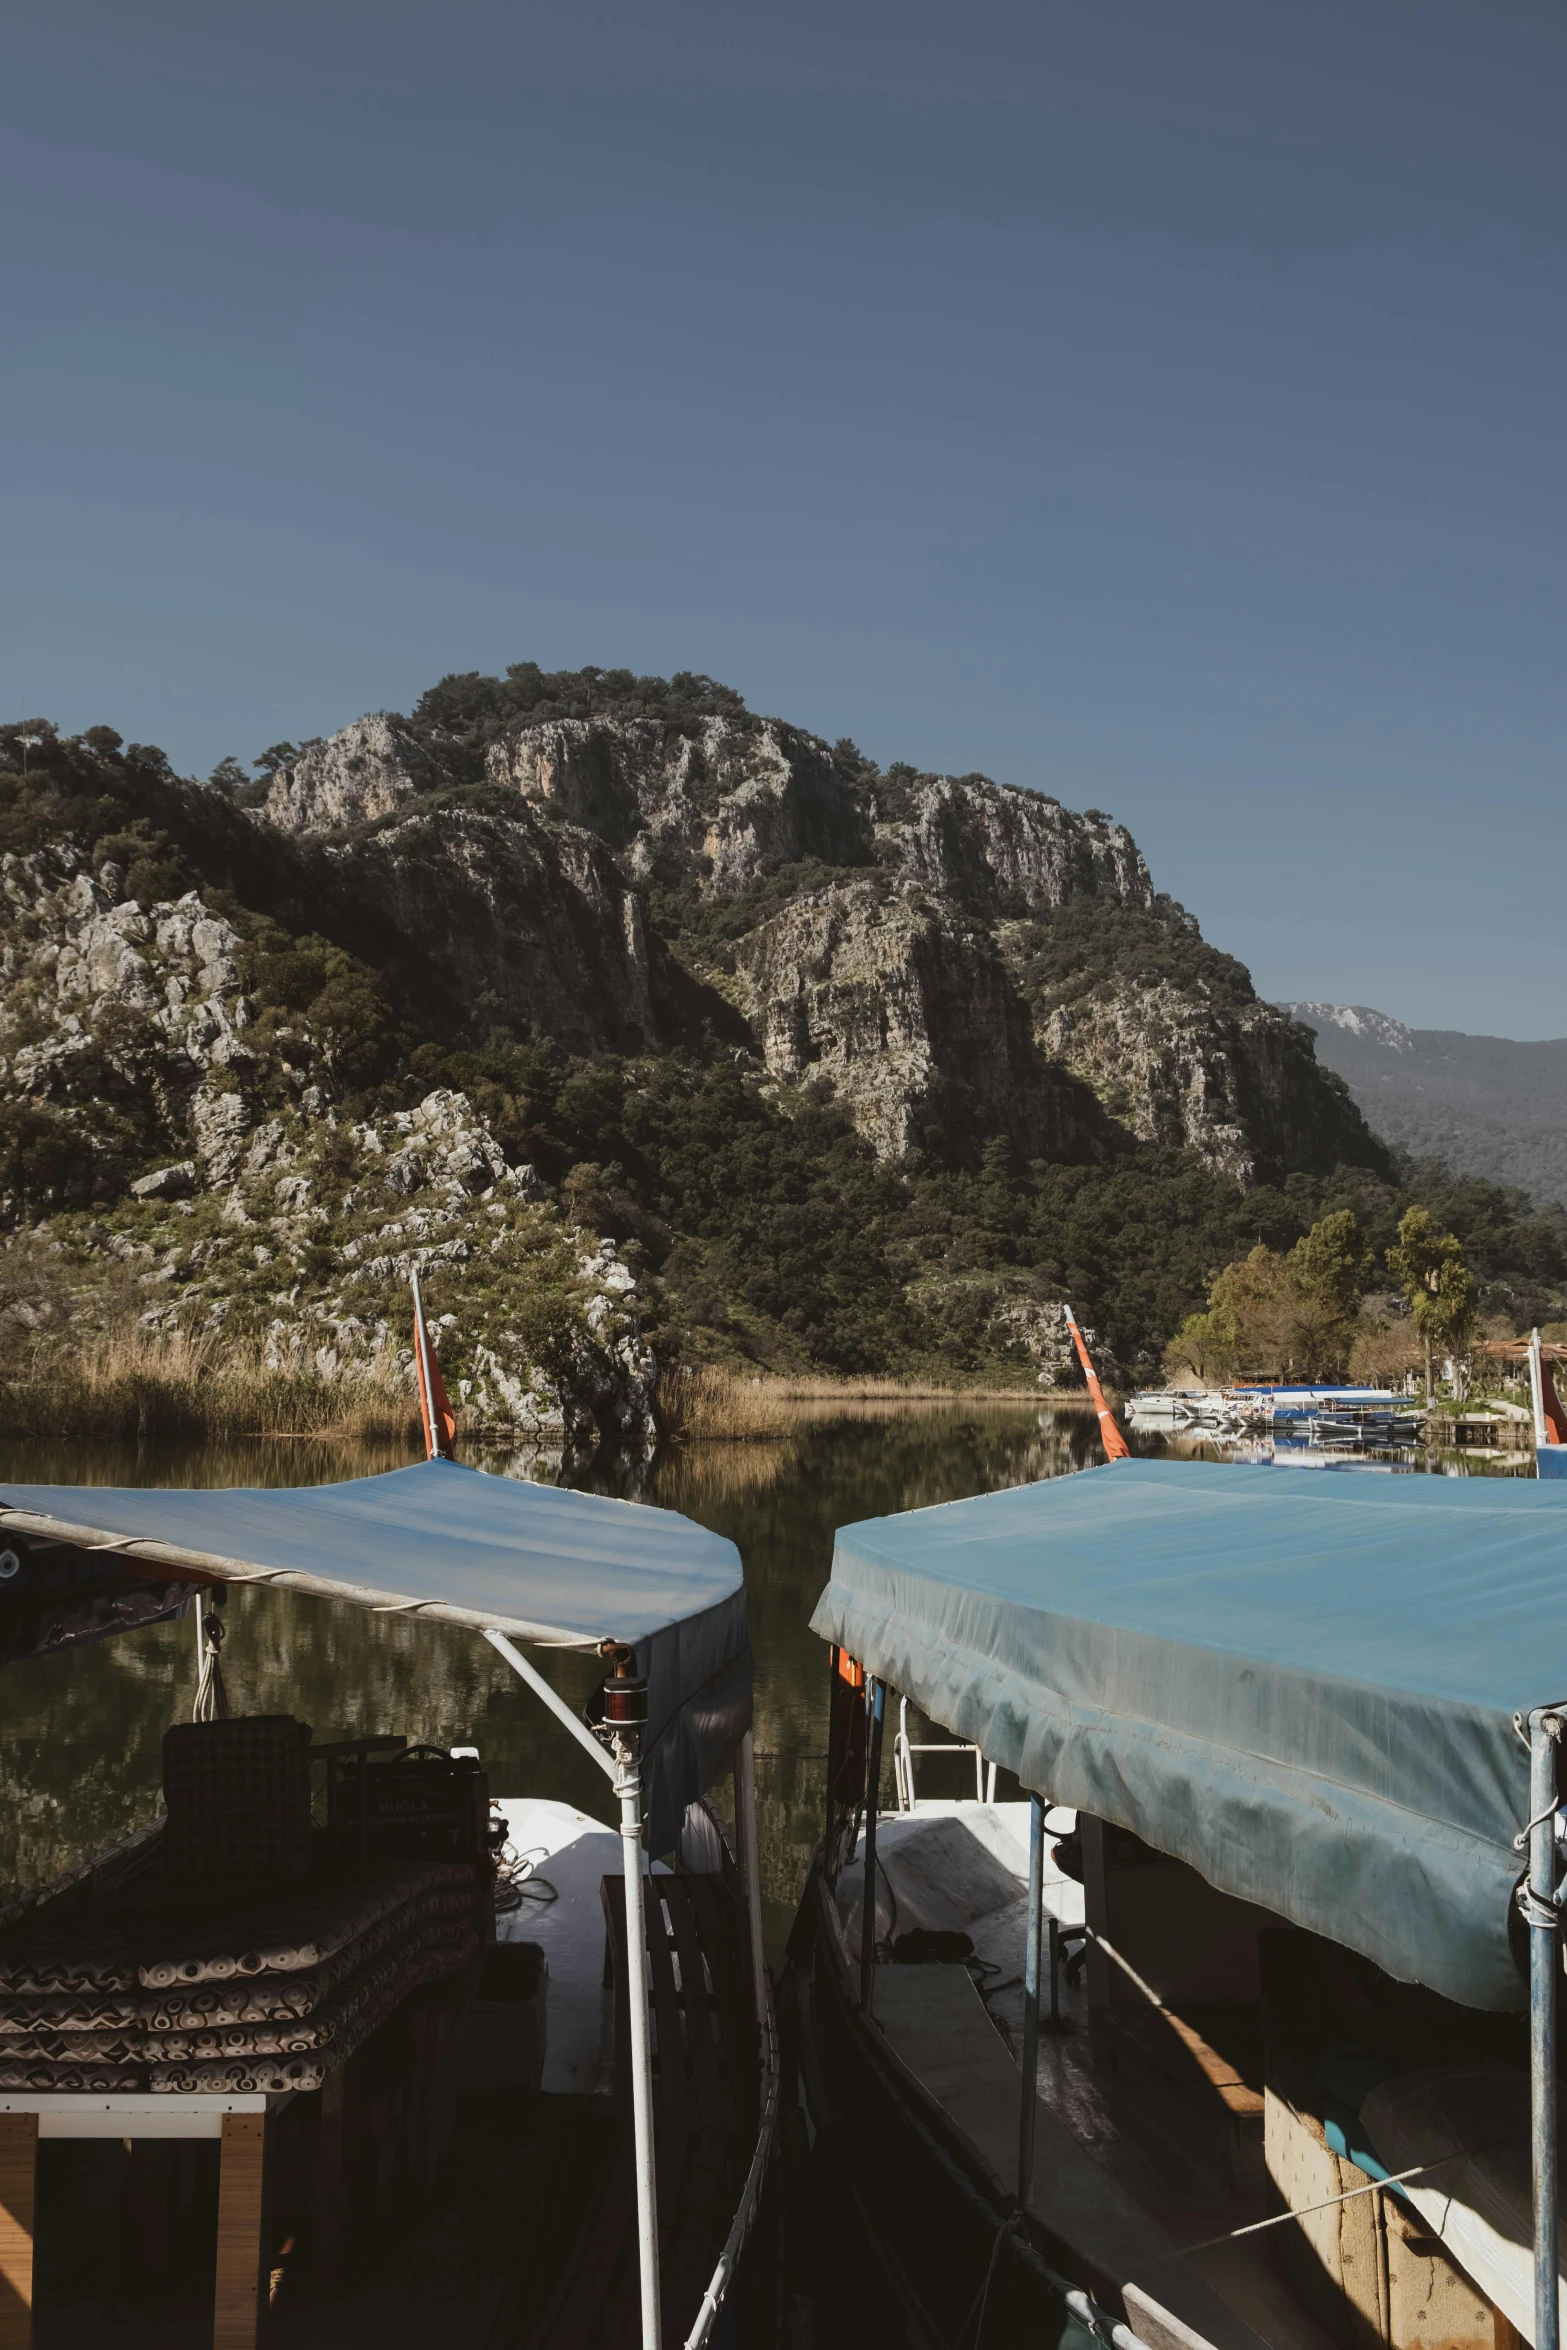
pixel 1160 402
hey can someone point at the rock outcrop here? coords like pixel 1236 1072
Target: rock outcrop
pixel 858 924
pixel 356 776
pixel 284 1217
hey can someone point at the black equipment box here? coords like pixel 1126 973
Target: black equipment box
pixel 422 1803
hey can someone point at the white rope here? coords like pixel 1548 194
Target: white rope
pixel 1306 2210
pixel 212 1702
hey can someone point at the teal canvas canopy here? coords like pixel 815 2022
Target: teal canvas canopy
pixel 1302 1685
pixel 539 1562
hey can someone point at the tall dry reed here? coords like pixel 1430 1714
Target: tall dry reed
pixel 137 1383
pixel 702 1402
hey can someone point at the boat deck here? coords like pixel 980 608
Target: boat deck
pixel 1113 2184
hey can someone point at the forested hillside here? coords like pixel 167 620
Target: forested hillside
pixel 1490 1105
pixel 641 1023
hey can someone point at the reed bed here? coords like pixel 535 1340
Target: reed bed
pixel 137 1383
pixel 701 1403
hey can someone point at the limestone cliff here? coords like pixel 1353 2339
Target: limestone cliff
pixel 630 1017
pixel 617 882
pixel 279 1214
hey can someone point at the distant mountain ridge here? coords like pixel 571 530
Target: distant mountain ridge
pixel 1490 1105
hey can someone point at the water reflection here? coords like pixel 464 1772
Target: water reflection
pixel 83 1730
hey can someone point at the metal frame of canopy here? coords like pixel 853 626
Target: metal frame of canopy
pixel 621 1760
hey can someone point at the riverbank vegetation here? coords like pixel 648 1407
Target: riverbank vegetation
pixel 137 1384
pixel 706 1403
pixel 1334 1305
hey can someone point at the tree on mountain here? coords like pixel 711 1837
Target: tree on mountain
pixel 1429 1266
pixel 228 775
pixel 276 755
pixel 1270 1313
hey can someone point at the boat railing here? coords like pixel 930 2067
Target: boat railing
pixel 756 2178
pixel 905 1748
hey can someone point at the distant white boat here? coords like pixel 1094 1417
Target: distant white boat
pixel 1168 1407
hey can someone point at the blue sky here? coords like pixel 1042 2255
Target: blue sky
pixel 1159 404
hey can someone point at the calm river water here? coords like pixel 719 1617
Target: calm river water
pixel 83 1730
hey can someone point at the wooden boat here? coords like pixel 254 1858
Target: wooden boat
pixel 1139 2071
pixel 386 2096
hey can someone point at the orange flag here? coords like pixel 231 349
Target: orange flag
pixel 1115 1444
pixel 440 1421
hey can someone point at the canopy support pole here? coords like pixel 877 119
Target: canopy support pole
pixel 1036 1903
pixel 625 1769
pixel 751 1859
pixel 628 1786
pixel 868 1896
pixel 1544 1961
pixel 1542 1434
pixel 557 1705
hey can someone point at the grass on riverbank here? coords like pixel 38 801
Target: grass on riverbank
pixel 148 1384
pixel 138 1384
pixel 702 1403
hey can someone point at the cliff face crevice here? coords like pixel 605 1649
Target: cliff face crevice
pixel 526 922
pixel 905 1011
pixel 949 957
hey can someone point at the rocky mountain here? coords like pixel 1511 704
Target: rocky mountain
pixel 1490 1105
pixel 949 957
pixel 639 1021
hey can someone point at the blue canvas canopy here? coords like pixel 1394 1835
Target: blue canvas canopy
pixel 1304 1686
pixel 535 1561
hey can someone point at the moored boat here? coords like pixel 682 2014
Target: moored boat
pixel 1287 1910
pixel 328 2054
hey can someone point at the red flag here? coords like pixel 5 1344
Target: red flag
pixel 1115 1444
pixel 440 1421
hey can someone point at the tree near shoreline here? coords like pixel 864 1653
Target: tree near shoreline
pixel 1438 1284
pixel 1269 1312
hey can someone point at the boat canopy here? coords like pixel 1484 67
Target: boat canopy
pixel 1305 1687
pixel 539 1562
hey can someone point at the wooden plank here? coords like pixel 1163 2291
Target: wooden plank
pixel 714 2112
pixel 151 2187
pixel 716 1914
pixel 1176 2046
pixel 240 2296
pixel 18 2204
pixel 674 2095
pixel 332 2175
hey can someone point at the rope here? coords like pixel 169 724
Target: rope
pixel 1536 1912
pixel 1307 2210
pixel 212 1703
pixel 981 2300
pixel 517 1880
pixel 1521 1840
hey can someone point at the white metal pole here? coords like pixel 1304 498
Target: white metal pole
pixel 1036 1902
pixel 557 1705
pixel 628 1786
pixel 1544 1960
pixel 1537 1390
pixel 745 1810
pixel 626 1771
